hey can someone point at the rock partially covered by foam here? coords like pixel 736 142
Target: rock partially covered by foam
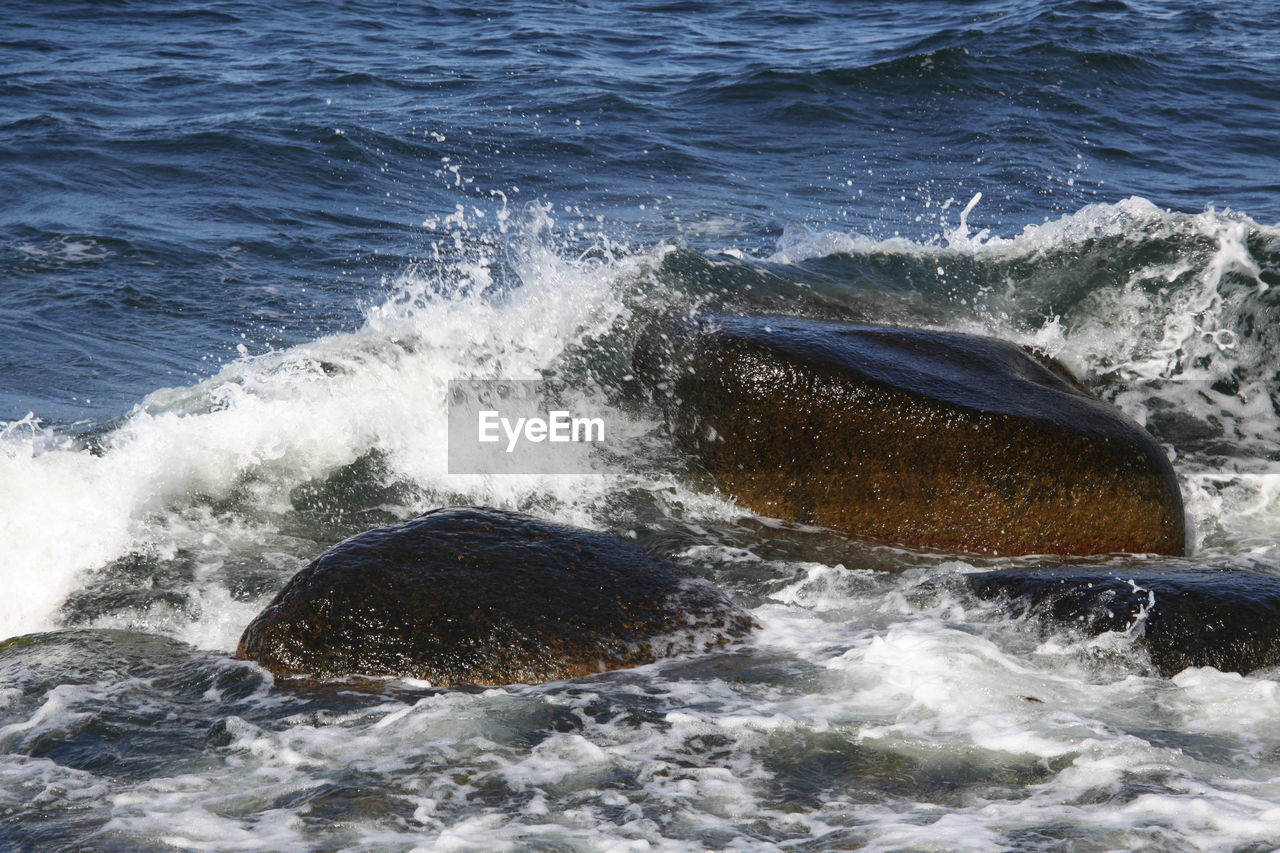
pixel 1227 619
pixel 478 596
pixel 922 438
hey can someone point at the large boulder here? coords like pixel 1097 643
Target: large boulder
pixel 921 438
pixel 478 596
pixel 1228 619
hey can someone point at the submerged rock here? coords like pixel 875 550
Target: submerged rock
pixel 1227 619
pixel 470 595
pixel 922 438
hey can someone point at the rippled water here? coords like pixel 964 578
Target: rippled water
pixel 243 250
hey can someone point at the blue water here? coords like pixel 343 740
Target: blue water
pixel 244 245
pixel 233 168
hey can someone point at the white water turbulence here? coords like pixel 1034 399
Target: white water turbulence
pixel 1173 317
pixel 205 473
pixel 880 706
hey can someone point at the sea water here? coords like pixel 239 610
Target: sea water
pixel 244 247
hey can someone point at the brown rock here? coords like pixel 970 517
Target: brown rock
pixel 471 595
pixel 922 438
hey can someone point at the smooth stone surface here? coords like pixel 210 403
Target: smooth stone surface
pixel 1227 619
pixel 478 596
pixel 921 438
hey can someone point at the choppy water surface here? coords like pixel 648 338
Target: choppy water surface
pixel 242 251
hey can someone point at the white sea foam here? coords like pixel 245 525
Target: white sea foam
pixel 1122 761
pixel 861 715
pixel 1189 337
pixel 65 250
pixel 265 424
pixel 659 758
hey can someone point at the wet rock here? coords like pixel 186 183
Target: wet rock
pixel 922 438
pixel 1224 618
pixel 478 596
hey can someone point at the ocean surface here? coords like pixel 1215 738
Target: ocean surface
pixel 245 245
